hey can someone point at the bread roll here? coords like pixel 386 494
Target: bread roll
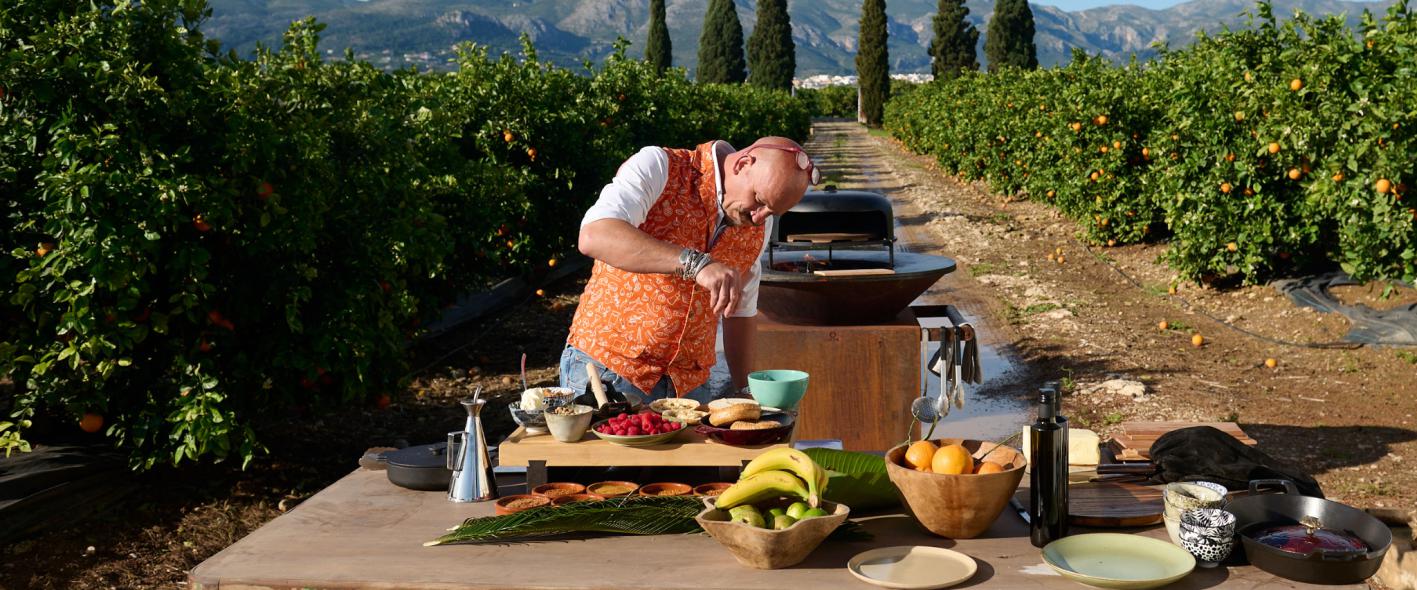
pixel 735 412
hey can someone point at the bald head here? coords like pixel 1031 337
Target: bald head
pixel 764 179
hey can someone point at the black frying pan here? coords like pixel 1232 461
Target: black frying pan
pixel 420 467
pixel 1257 512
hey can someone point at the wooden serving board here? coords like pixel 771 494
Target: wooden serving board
pixel 1134 441
pixel 1110 505
pixel 688 449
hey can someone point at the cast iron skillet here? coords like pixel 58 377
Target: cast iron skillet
pixel 1256 512
pixel 420 467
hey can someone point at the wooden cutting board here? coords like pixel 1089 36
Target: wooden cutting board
pixel 1133 442
pixel 1110 505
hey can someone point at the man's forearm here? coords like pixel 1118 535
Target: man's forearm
pixel 624 246
pixel 739 335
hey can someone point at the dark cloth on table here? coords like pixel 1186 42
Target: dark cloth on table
pixel 1203 453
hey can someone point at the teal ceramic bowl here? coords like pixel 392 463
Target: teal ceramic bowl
pixel 778 388
pixel 1123 562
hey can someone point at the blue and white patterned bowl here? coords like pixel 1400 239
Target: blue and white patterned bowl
pixel 1207 533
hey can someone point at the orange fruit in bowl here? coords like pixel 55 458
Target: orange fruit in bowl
pixel 919 455
pixel 953 460
pixel 990 467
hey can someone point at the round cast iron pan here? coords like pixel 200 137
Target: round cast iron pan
pixel 1257 512
pixel 744 438
pixel 420 467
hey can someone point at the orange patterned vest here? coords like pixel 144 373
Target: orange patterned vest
pixel 644 326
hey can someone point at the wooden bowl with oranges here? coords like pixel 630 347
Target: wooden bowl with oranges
pixel 948 490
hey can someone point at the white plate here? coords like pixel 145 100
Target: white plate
pixel 912 567
pixel 728 401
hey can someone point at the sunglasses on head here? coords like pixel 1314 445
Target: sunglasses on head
pixel 804 162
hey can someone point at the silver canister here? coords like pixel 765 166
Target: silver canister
pixel 469 459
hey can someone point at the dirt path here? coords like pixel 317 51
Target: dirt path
pixel 1347 415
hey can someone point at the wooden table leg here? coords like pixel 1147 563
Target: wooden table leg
pixel 535 474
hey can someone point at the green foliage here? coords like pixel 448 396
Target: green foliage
pixel 195 244
pixel 772 58
pixel 1010 40
pixel 831 101
pixel 873 62
pixel 952 49
pixel 658 48
pixel 1181 149
pixel 721 45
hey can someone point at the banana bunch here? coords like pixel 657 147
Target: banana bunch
pixel 780 472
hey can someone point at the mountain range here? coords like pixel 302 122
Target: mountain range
pixel 395 33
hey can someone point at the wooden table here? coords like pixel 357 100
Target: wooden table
pixel 363 532
pixel 689 449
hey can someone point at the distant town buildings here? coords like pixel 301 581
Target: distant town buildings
pixel 824 80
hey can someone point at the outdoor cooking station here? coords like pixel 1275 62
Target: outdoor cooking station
pixel 835 296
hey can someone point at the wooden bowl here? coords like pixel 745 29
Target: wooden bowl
pixel 567 499
pixel 666 489
pixel 768 549
pixel 598 488
pixel 711 489
pixel 504 507
pixel 557 489
pixel 957 506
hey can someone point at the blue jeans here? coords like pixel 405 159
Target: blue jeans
pixel 573 375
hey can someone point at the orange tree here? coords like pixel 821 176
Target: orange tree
pixel 1256 151
pixel 196 242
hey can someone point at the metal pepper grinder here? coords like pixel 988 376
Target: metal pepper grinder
pixel 469 460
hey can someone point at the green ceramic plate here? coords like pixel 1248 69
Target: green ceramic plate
pixel 643 440
pixel 1114 560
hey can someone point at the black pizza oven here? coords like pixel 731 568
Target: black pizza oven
pixel 833 260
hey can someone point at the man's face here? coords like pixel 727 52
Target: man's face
pixel 763 190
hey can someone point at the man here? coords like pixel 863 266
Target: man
pixel 676 238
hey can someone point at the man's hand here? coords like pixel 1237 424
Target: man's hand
pixel 724 287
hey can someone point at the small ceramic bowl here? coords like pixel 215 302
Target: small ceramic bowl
pixel 1220 489
pixel 711 489
pixel 569 428
pixel 557 489
pixel 666 489
pixel 533 421
pixel 567 499
pixel 613 489
pixel 1208 534
pixel 513 504
pixel 1182 496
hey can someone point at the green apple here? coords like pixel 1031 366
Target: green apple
pixel 782 522
pixel 797 509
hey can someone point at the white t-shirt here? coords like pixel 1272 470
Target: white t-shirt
pixel 637 186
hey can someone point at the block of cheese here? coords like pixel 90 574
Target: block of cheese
pixel 1083 446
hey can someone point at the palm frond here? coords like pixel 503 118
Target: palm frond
pixel 632 515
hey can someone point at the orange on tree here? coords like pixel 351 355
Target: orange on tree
pixel 1230 157
pixel 1225 187
pixel 551 263
pixel 1116 145
pixel 1294 174
pixel 1239 115
pixel 1146 153
pixel 44 249
pixel 531 153
pixel 200 224
pixel 1273 147
pixel 1102 149
pixel 1296 85
pixel 540 292
pixel 1232 247
pixel 1383 185
pixel 920 454
pixel 91 422
pixel 952 459
pixel 1100 120
pixel 507 135
pixel 1338 176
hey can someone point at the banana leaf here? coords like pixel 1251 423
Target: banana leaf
pixel 858 480
pixel 632 515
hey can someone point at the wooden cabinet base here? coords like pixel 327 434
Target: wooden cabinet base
pixel 863 378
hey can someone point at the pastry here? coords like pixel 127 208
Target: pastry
pixel 733 413
pixel 755 425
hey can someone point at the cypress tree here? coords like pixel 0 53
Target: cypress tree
pixel 1010 41
pixel 952 49
pixel 721 45
pixel 772 58
pixel 873 75
pixel 657 48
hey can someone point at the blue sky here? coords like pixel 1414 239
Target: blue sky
pixel 1081 4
